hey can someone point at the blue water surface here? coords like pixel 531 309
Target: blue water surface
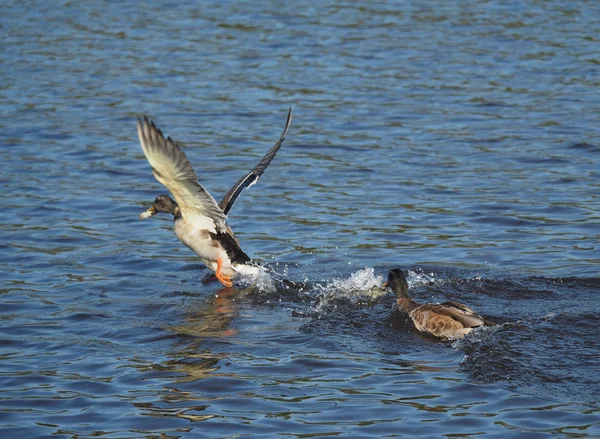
pixel 456 140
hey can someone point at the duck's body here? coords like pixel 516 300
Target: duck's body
pixel 199 222
pixel 212 248
pixel 449 320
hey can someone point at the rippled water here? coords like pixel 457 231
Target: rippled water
pixel 457 140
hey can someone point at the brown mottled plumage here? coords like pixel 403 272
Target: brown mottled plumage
pixel 449 320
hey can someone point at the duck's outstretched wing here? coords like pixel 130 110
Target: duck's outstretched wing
pixel 171 168
pixel 253 176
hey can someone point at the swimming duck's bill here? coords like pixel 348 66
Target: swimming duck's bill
pixel 148 213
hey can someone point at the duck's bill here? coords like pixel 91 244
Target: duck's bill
pixel 385 285
pixel 148 213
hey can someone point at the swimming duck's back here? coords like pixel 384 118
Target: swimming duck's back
pixel 447 320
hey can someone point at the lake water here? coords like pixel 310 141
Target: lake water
pixel 456 140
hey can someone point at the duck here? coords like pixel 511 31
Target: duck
pixel 199 221
pixel 448 320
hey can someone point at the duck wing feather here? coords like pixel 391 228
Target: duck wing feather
pixel 461 313
pixel 252 177
pixel 173 170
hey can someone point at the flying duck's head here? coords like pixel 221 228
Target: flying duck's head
pixel 163 203
pixel 397 282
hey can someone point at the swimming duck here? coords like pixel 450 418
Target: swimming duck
pixel 449 320
pixel 199 222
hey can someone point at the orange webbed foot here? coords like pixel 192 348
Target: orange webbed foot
pixel 224 279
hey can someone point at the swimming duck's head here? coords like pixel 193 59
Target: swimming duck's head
pixel 397 282
pixel 163 203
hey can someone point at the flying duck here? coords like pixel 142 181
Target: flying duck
pixel 199 222
pixel 449 320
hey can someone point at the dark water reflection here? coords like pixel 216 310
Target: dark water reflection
pixel 458 141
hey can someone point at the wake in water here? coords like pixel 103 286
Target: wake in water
pixel 544 340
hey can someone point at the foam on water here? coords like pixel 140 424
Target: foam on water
pixel 362 286
pixel 420 278
pixel 260 277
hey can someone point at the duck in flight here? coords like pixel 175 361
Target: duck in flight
pixel 448 320
pixel 199 222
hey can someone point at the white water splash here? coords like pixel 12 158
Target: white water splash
pixel 417 279
pixel 259 277
pixel 362 285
